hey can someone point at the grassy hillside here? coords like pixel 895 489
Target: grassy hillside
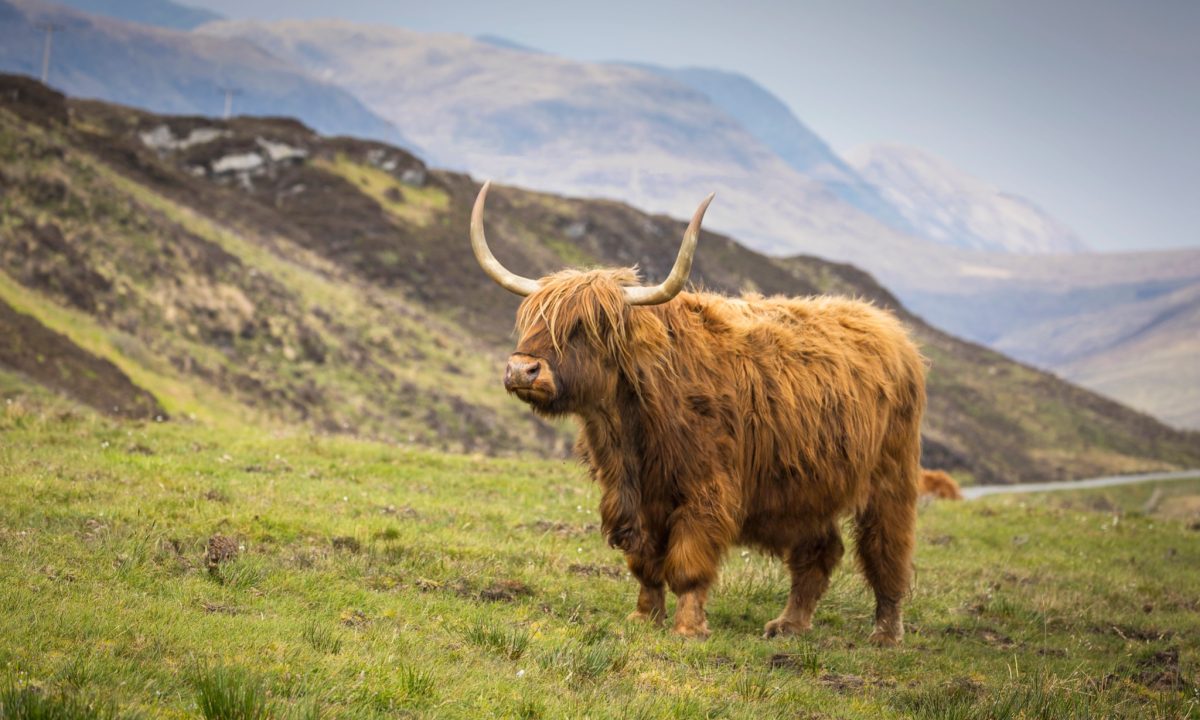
pixel 253 272
pixel 158 569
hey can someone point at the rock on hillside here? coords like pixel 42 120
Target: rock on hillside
pixel 329 282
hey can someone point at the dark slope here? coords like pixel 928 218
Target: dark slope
pixel 371 221
pixel 53 360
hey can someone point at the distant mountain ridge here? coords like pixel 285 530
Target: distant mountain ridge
pixel 172 71
pixel 159 13
pixel 945 204
pixel 768 119
pixel 592 129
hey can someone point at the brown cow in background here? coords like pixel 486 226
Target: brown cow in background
pixel 939 484
pixel 710 421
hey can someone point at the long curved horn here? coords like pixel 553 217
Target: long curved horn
pixel 509 281
pixel 679 273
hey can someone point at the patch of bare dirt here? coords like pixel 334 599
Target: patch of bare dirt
pixel 1160 671
pixel 505 591
pixel 986 635
pixel 1129 632
pixel 851 683
pixel 592 570
pixel 346 543
pixel 561 529
pixel 219 549
pixel 219 609
pixel 789 661
pixel 403 511
pixel 215 495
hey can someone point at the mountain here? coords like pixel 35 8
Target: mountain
pixel 590 129
pixel 945 204
pixel 769 120
pixel 160 13
pixel 171 71
pixel 1124 324
pixel 1153 365
pixel 661 138
pixel 253 273
pixel 503 42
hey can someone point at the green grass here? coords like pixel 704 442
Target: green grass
pixel 1168 499
pixel 231 694
pixel 372 581
pixel 417 205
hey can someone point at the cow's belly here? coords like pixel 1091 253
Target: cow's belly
pixel 788 513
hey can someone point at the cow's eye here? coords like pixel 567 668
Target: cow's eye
pixel 576 332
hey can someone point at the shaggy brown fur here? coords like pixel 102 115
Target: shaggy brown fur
pixel 939 484
pixel 710 421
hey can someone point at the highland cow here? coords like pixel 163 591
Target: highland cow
pixel 711 421
pixel 939 484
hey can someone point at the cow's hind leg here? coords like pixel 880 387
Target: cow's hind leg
pixel 652 597
pixel 885 538
pixel 811 562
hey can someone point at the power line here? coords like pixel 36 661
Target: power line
pixel 230 93
pixel 50 28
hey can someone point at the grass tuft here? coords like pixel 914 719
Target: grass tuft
pixel 30 703
pixel 755 686
pixel 1034 698
pixel 407 687
pixel 585 662
pixel 322 638
pixel 509 643
pixel 225 693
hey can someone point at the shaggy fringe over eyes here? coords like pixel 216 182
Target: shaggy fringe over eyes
pixel 592 300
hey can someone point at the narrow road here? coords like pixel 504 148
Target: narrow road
pixel 978 491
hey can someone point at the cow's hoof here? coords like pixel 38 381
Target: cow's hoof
pixel 884 639
pixel 693 632
pixel 646 617
pixel 780 628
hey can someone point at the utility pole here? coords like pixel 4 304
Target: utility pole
pixel 50 28
pixel 230 93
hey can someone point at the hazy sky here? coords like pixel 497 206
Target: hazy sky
pixel 1090 108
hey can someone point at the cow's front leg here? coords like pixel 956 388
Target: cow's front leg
pixel 652 596
pixel 699 537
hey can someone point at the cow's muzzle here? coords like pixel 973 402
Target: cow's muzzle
pixel 522 372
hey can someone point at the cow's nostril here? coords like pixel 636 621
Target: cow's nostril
pixel 532 370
